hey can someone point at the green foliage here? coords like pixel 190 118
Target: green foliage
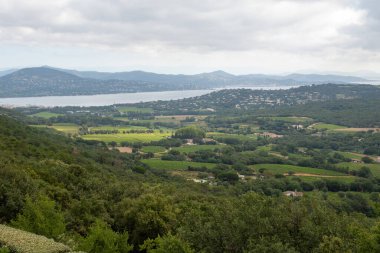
pixel 41 216
pixel 268 245
pixel 190 132
pixel 4 250
pixel 102 239
pixel 166 244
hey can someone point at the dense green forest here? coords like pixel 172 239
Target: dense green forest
pixel 294 177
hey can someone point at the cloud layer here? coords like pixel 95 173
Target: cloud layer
pixel 304 33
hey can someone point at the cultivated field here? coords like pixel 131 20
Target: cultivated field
pixel 128 137
pixel 321 126
pixel 175 165
pixel 374 167
pixel 193 148
pixel 153 149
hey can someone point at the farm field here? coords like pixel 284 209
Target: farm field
pixel 67 128
pixel 285 168
pixel 321 126
pixel 290 119
pixel 119 128
pixel 126 109
pixel 175 165
pixel 354 130
pixel 374 167
pixel 227 135
pixel 193 148
pixel 130 137
pixel 153 149
pixel 45 115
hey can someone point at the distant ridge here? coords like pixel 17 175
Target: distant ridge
pixel 49 81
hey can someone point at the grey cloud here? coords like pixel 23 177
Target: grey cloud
pixel 208 25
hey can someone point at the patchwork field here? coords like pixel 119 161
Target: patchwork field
pixel 175 165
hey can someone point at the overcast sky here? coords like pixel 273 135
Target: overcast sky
pixel 173 36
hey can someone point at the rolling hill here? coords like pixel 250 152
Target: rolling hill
pixel 48 81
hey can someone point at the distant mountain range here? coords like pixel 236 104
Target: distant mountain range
pixel 48 81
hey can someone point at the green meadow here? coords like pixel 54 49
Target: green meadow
pixel 321 126
pixel 45 115
pixel 129 137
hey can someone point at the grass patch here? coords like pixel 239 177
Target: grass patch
pixel 374 167
pixel 322 126
pixel 290 119
pixel 45 115
pixel 153 149
pixel 175 165
pixel 193 148
pixel 126 109
pixel 119 128
pixel 131 137
pixel 67 128
pixel 285 168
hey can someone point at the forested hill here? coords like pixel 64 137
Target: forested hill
pixel 91 198
pixel 50 82
pixel 231 99
pixel 47 81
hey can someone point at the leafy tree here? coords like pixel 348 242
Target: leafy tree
pixel 4 250
pixel 364 172
pixel 268 245
pixel 166 244
pixel 190 132
pixel 41 216
pixel 102 239
pixel 331 244
pixel 367 159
